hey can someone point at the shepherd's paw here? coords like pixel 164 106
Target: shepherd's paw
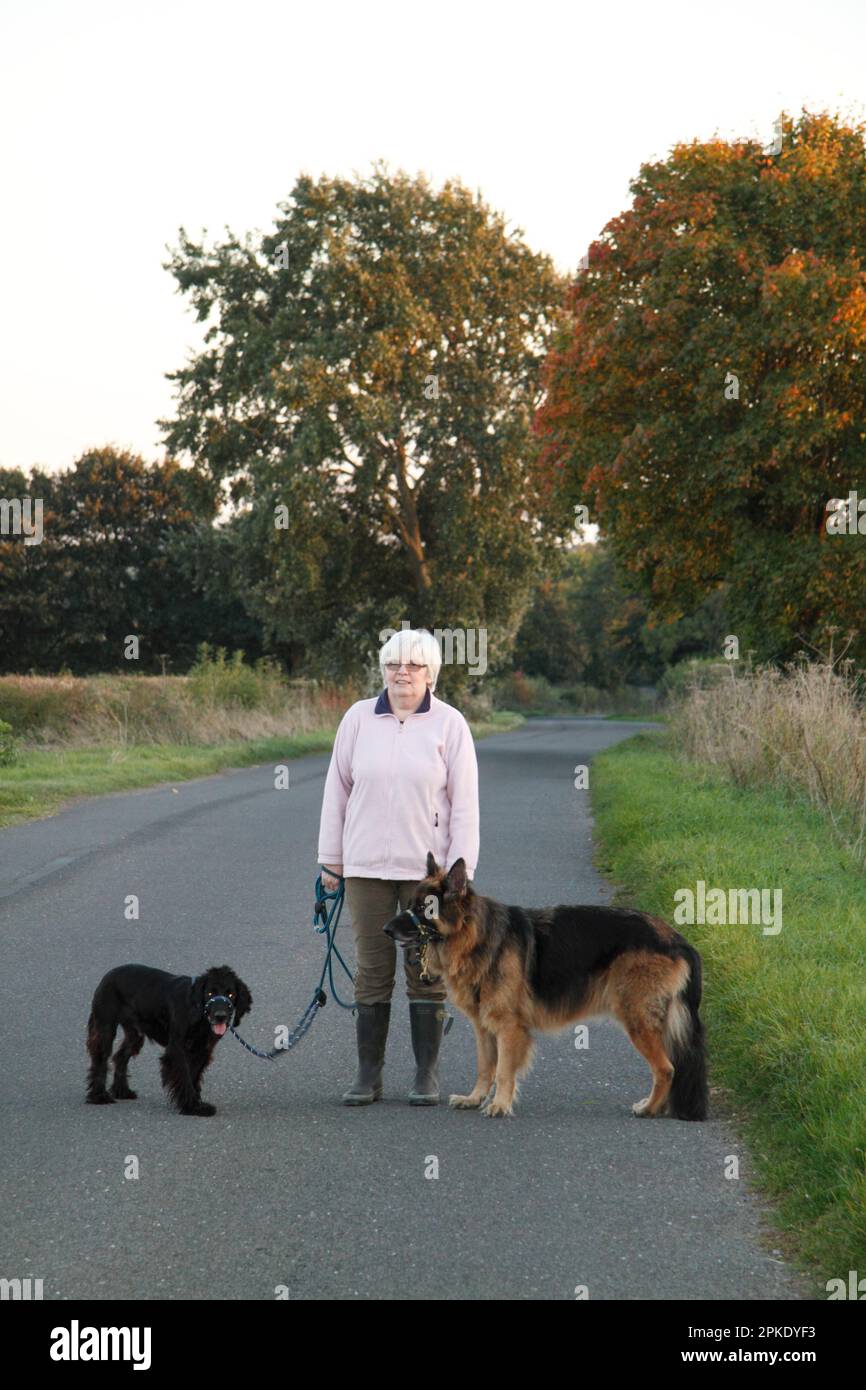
pixel 496 1109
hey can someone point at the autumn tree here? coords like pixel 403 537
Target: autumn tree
pixel 372 367
pixel 707 398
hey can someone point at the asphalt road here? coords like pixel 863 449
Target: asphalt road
pixel 286 1186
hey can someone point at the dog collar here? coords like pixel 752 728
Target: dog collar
pixel 428 934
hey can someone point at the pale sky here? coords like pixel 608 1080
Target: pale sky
pixel 121 122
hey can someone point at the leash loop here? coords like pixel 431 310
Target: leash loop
pixel 330 920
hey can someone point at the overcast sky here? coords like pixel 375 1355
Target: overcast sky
pixel 122 122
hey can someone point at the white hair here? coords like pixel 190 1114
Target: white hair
pixel 415 644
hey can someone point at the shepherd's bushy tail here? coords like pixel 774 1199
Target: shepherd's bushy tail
pixel 684 1043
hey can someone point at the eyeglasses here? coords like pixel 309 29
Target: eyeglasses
pixel 412 666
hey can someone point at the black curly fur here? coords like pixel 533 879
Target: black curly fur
pixel 169 1010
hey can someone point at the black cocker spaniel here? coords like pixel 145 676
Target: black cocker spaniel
pixel 185 1016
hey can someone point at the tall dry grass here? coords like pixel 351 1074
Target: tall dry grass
pixel 220 701
pixel 802 728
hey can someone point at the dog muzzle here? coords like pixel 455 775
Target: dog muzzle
pixel 219 1025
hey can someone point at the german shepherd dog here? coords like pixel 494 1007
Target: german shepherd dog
pixel 512 969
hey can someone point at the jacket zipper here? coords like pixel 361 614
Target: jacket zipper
pixel 391 799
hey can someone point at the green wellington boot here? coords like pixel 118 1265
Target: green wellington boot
pixel 371 1031
pixel 427 1017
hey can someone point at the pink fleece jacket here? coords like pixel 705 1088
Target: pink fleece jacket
pixel 398 787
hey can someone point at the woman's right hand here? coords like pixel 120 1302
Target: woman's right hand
pixel 329 882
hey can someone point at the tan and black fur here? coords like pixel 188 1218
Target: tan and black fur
pixel 513 970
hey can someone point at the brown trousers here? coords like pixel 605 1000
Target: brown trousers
pixel 372 902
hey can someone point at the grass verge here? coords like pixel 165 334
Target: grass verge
pixel 45 779
pixel 785 1013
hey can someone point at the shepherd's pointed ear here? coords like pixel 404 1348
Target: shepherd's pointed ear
pixel 432 866
pixel 456 880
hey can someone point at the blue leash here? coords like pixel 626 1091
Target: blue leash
pixel 331 933
pixel 330 920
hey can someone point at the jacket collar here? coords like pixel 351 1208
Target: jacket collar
pixel 383 704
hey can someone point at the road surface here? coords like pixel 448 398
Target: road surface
pixel 285 1186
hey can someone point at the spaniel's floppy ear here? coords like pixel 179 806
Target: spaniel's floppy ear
pixel 432 866
pixel 244 1001
pixel 456 880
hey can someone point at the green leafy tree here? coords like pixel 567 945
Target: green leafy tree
pixel 121 553
pixel 372 365
pixel 30 583
pixel 586 624
pixel 708 397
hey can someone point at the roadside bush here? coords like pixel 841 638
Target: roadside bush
pixel 700 672
pixel 227 682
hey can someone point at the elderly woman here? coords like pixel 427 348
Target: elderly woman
pixel 403 781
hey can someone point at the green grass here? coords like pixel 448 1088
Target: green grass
pixel 785 1014
pixel 45 779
